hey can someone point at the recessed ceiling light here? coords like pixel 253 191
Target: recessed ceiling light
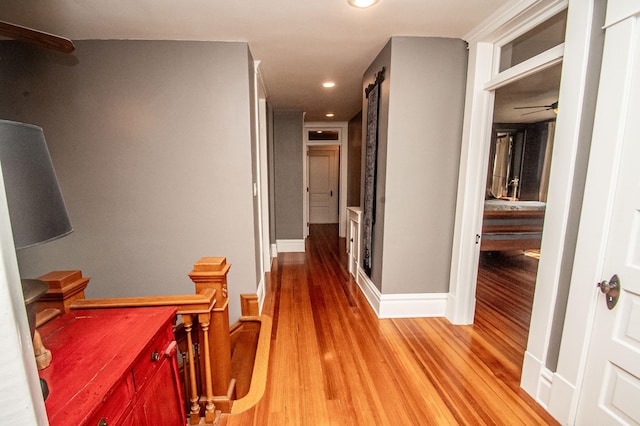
pixel 362 3
pixel 329 114
pixel 328 84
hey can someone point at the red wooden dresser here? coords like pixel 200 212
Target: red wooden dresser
pixel 113 367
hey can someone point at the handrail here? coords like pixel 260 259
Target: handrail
pixel 186 303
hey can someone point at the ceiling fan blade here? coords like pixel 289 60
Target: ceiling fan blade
pixel 535 112
pixel 547 107
pixel 533 106
pixel 39 38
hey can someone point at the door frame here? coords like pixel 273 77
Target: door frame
pixel 342 143
pixel 567 166
pixel 334 174
pixel 19 372
pixel 584 296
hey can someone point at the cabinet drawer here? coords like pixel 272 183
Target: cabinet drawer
pixel 150 357
pixel 115 405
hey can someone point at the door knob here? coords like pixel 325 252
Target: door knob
pixel 611 289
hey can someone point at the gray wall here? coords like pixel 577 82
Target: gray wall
pixel 287 156
pixel 423 101
pixel 382 60
pixel 354 168
pixel 152 144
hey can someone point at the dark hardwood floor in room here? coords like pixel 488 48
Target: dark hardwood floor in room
pixel 333 362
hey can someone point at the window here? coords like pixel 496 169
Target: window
pixel 323 135
pixel 535 41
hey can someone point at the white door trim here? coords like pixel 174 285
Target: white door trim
pixel 261 186
pixel 476 137
pixel 592 239
pixel 343 142
pixel 566 157
pixel 22 401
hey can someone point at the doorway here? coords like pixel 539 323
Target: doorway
pixel 323 190
pixel 517 184
pixel 580 54
pixel 327 144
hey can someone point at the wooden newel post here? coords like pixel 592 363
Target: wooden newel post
pixel 64 288
pixel 211 272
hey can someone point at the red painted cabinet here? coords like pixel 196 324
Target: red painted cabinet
pixel 113 367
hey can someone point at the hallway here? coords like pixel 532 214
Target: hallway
pixel 333 362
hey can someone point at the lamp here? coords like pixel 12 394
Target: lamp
pixel 36 208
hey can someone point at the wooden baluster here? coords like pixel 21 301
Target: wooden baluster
pixel 210 409
pixel 194 416
pixel 181 338
pixel 186 381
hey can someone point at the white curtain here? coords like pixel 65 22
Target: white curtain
pixel 501 166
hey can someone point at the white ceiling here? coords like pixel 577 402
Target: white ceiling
pixel 300 43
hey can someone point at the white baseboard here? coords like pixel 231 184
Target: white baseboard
pixel 544 387
pixel 370 291
pixel 414 305
pixel 563 400
pixel 411 305
pixel 290 246
pixel 547 388
pixel 531 372
pixel 274 250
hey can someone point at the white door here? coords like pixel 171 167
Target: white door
pixel 611 388
pixel 323 184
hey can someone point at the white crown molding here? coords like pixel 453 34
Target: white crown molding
pixel 507 17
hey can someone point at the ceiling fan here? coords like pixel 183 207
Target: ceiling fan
pixel 39 38
pixel 553 107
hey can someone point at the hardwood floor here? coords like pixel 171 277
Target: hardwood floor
pixel 333 362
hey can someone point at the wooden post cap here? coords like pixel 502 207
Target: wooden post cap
pixel 211 264
pixel 60 280
pixel 211 272
pixel 64 288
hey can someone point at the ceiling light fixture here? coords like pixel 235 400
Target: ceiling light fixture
pixel 362 3
pixel 328 84
pixel 329 114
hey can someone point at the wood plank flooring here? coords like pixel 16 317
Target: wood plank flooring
pixel 333 362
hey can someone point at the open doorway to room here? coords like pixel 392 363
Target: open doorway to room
pixel 515 202
pixel 324 172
